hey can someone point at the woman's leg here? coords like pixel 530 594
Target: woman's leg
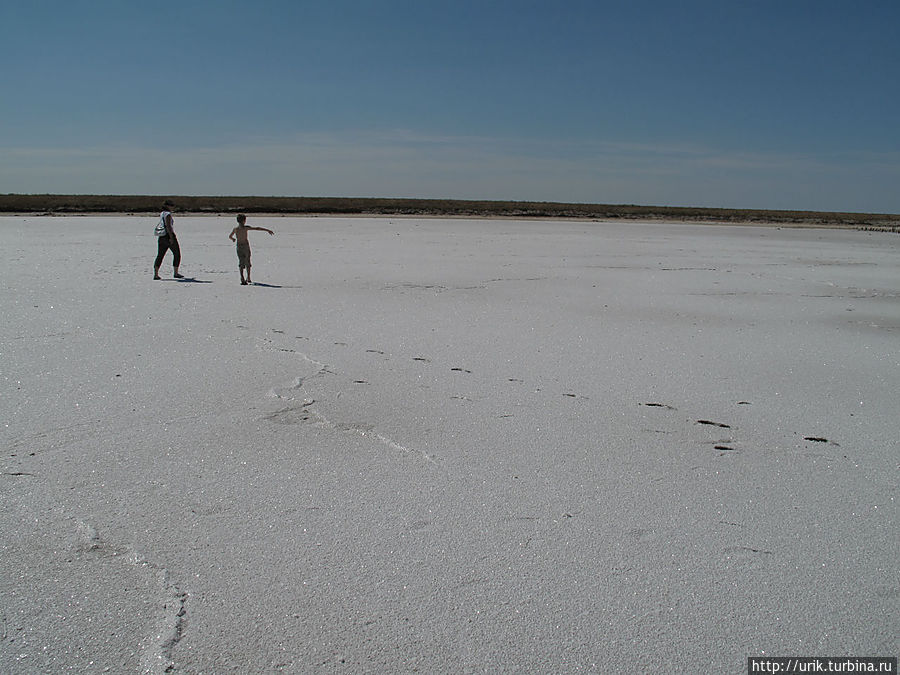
pixel 162 246
pixel 176 256
pixel 176 252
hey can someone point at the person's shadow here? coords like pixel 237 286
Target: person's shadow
pixel 192 280
pixel 256 283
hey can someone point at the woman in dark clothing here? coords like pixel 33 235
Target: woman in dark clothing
pixel 166 240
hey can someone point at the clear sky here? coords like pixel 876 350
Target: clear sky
pixel 786 104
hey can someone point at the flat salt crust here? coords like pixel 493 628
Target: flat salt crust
pixel 446 446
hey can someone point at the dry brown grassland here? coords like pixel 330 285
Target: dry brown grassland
pixel 47 204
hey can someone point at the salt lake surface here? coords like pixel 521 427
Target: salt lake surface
pixel 446 446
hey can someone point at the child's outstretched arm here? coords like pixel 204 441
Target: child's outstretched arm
pixel 262 229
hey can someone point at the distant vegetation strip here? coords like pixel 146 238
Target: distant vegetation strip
pixel 83 204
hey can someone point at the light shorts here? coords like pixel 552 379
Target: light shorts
pixel 243 253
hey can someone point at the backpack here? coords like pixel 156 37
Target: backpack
pixel 160 229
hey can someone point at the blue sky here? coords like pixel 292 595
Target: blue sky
pixel 786 104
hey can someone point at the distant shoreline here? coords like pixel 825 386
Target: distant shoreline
pixel 59 205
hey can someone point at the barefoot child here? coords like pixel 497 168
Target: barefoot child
pixel 239 234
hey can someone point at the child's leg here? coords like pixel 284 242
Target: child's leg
pixel 243 253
